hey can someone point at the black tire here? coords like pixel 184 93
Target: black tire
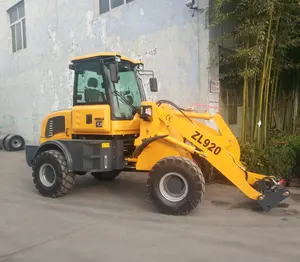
pixel 14 143
pixel 2 140
pixel 106 176
pixel 64 181
pixel 205 167
pixel 194 179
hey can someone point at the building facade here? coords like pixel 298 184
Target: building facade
pixel 38 38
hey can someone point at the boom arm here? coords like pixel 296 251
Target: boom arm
pixel 220 149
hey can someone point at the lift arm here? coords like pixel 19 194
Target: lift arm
pixel 221 150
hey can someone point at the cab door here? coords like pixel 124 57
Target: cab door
pixel 91 113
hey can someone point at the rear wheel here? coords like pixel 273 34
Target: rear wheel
pixel 106 176
pixel 50 174
pixel 176 185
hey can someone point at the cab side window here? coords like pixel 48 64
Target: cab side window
pixel 89 87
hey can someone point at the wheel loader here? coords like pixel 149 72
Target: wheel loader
pixel 111 128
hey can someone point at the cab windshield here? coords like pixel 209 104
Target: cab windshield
pixel 127 94
pixel 93 86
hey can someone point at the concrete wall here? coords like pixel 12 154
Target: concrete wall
pixel 163 33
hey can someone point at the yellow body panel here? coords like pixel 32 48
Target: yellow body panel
pixel 126 127
pixel 64 135
pixel 100 114
pixel 157 151
pixel 229 138
pixel 103 54
pixel 76 123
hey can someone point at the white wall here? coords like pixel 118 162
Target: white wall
pixel 36 80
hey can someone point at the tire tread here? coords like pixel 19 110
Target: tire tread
pixel 66 179
pixel 196 175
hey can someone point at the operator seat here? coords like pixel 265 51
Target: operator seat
pixel 93 95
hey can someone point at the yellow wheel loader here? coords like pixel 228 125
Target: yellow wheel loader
pixel 112 128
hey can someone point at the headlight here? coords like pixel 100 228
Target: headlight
pixel 148 111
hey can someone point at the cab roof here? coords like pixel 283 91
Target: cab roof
pixel 106 54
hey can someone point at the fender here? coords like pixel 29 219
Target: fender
pixel 33 151
pixel 145 143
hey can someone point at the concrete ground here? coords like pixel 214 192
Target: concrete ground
pixel 117 222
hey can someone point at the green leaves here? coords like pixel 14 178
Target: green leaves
pixel 276 159
pixel 261 39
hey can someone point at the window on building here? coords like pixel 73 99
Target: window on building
pixel 18 26
pixel 106 5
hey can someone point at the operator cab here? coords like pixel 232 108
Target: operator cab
pixel 109 79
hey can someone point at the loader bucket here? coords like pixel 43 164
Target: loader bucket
pixel 272 193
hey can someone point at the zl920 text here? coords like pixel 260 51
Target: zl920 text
pixel 212 147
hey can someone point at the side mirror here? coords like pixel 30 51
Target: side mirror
pixel 114 76
pixel 153 84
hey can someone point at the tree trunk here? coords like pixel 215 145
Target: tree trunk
pixel 245 104
pixel 263 76
pixel 296 105
pixel 273 95
pixel 253 109
pixel 286 102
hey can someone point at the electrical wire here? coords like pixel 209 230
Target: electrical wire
pixel 174 105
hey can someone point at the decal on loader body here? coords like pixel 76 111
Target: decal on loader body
pixel 212 147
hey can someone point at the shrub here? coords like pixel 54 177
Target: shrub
pixel 279 158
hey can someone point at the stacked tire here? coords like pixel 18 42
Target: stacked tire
pixel 12 142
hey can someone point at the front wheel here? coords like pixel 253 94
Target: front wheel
pixel 51 176
pixel 176 185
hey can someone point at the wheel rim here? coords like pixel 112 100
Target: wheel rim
pixel 47 175
pixel 16 143
pixel 173 187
